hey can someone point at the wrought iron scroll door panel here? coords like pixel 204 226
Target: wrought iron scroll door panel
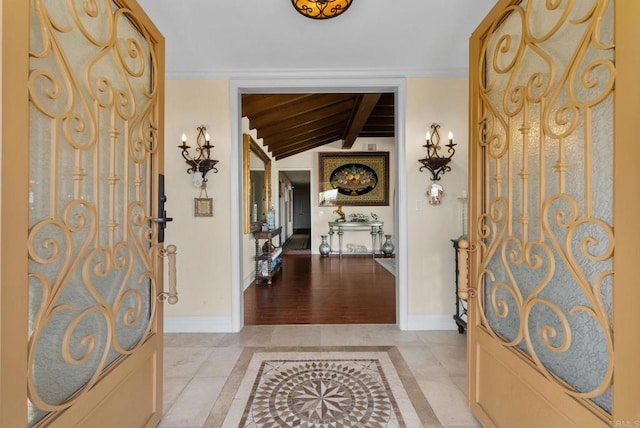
pixel 541 344
pixel 93 250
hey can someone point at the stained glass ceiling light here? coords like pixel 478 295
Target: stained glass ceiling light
pixel 321 9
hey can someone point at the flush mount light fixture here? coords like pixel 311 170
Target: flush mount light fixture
pixel 321 9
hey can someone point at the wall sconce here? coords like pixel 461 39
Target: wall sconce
pixel 436 162
pixel 321 9
pixel 202 164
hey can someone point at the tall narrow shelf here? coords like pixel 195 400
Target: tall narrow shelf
pixel 270 258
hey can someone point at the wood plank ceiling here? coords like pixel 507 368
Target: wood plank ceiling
pixel 289 124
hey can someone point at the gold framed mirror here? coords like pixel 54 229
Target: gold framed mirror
pixel 256 184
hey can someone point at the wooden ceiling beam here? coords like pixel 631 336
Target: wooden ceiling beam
pixel 382 121
pixel 279 141
pixel 330 136
pixel 303 149
pixel 253 104
pixel 339 119
pixel 302 110
pixel 292 123
pixel 364 108
pixel 383 111
pixel 374 134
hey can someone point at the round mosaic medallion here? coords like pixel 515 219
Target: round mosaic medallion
pixel 322 393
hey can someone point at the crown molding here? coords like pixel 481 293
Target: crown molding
pixel 269 73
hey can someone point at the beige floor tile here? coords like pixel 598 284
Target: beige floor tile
pixel 219 363
pixel 192 407
pixel 197 365
pixel 249 336
pixel 235 414
pixel 448 402
pixel 172 387
pixel 192 340
pixel 296 335
pixel 184 362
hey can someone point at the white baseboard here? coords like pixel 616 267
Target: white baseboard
pixel 248 281
pixel 432 322
pixel 224 324
pixel 197 325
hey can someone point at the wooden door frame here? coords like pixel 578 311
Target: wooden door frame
pixel 14 227
pixel 14 214
pixel 626 204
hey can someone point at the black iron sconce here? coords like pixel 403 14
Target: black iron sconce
pixel 200 165
pixel 436 161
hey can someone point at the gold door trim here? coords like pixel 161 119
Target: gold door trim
pixel 95 239
pixel 531 243
pixel 14 212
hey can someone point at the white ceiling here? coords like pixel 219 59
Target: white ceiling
pixel 262 38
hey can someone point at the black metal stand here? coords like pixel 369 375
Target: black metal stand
pixel 460 316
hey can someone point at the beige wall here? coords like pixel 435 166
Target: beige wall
pixel 204 244
pixel 204 255
pixel 431 273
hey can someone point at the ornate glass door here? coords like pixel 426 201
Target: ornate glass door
pixel 541 337
pixel 94 269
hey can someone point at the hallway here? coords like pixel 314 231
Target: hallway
pixel 312 289
pixel 298 242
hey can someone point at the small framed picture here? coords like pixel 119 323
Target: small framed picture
pixel 203 207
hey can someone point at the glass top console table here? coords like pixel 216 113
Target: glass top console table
pixel 375 228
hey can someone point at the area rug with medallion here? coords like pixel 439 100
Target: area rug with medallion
pixel 323 387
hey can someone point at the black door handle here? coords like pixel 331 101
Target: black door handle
pixel 163 220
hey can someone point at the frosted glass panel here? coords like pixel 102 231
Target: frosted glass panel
pixel 92 248
pixel 547 232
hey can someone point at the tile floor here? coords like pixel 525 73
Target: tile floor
pixel 196 366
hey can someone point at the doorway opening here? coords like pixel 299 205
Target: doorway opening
pixel 398 226
pixel 295 211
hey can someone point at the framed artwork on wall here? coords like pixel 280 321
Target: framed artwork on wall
pixel 353 178
pixel 203 207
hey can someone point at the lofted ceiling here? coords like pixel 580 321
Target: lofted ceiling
pixel 289 124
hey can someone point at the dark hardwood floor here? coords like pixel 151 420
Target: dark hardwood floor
pixel 312 289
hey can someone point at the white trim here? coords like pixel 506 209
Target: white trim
pixel 246 283
pixel 432 322
pixel 402 242
pixel 198 325
pixel 237 228
pixel 315 74
pixel 284 85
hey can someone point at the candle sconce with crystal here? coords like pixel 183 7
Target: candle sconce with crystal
pixel 200 163
pixel 437 161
